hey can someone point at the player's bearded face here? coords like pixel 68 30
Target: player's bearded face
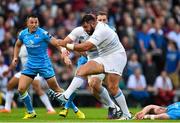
pixel 88 28
pixel 32 24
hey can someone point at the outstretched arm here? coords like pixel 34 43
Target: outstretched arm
pixel 64 53
pixel 158 116
pixel 145 110
pixel 80 47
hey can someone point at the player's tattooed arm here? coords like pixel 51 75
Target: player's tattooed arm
pixel 80 47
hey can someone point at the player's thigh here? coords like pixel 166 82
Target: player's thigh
pixel 24 82
pixel 52 83
pixel 13 82
pixel 37 87
pixel 91 67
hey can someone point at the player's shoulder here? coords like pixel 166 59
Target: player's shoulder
pixel 23 32
pixel 101 27
pixel 78 29
pixel 42 31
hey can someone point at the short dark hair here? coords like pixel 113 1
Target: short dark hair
pixel 102 13
pixel 88 18
pixel 31 16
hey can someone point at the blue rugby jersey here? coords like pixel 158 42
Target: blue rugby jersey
pixel 173 111
pixel 36 44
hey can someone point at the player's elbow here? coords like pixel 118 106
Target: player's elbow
pixel 86 48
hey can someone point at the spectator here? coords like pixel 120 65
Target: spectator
pixel 174 35
pixel 133 64
pixel 49 6
pixel 173 63
pixel 144 39
pixel 2 29
pixel 14 6
pixel 137 85
pixel 164 88
pixel 149 69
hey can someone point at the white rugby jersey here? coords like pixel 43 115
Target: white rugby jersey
pixel 23 55
pixel 106 40
pixel 78 35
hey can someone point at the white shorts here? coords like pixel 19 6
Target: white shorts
pixel 17 75
pixel 113 63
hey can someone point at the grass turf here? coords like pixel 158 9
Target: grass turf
pixel 92 115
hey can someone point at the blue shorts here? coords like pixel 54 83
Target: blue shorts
pixel 46 72
pixel 82 60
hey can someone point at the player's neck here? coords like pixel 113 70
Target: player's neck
pixel 31 31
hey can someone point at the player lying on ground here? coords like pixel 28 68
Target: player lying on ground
pixel 158 112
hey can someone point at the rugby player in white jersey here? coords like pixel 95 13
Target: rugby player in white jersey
pixel 78 35
pixel 111 61
pixel 36 86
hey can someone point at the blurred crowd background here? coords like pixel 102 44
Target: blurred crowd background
pixel 148 29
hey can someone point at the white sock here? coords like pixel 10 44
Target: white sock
pixel 105 98
pixel 44 98
pixel 75 84
pixel 8 99
pixel 121 101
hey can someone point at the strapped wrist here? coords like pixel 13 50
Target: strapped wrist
pixel 70 46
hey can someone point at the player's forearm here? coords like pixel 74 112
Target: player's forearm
pixel 80 47
pixel 147 109
pixel 16 50
pixel 64 42
pixel 159 116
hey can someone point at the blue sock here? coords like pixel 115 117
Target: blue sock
pixel 27 102
pixel 73 106
pixel 70 103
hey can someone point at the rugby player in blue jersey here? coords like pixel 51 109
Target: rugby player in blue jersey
pixel 158 112
pixel 36 41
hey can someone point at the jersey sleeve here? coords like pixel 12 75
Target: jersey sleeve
pixel 47 36
pixel 75 33
pixel 20 36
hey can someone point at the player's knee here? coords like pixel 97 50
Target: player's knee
pixel 91 83
pixel 9 87
pixel 80 73
pixel 94 84
pixel 113 90
pixel 21 90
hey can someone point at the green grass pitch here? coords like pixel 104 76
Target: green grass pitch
pixel 92 115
